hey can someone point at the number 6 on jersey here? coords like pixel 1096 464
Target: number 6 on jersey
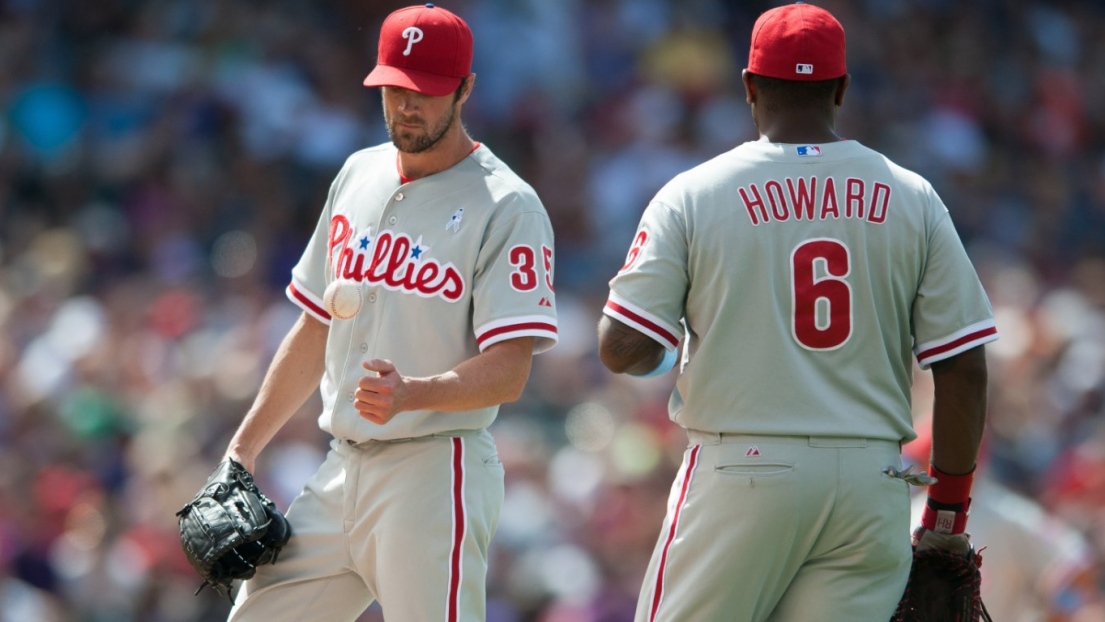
pixel 821 305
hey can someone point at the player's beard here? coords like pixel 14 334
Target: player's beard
pixel 408 141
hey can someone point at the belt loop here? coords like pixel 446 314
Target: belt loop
pixel 698 437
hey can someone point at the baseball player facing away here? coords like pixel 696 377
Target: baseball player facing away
pixel 454 256
pixel 801 272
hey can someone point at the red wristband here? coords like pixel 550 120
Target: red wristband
pixel 949 502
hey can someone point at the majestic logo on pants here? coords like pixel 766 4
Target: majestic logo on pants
pixel 394 261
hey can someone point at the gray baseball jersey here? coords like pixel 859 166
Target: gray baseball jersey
pixel 449 265
pixel 782 264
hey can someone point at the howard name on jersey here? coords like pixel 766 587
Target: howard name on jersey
pixel 807 198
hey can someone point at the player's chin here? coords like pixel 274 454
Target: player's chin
pixel 405 139
pixel 410 146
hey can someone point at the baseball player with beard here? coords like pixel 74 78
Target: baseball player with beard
pixel 452 255
pixel 802 273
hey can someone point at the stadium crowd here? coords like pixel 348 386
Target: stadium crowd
pixel 162 163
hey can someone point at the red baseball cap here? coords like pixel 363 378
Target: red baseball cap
pixel 423 48
pixel 797 42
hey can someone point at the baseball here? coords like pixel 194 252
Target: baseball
pixel 342 299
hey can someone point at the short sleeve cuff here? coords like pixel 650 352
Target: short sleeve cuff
pixel 959 341
pixel 307 301
pixel 541 327
pixel 644 322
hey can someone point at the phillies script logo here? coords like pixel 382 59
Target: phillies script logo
pixel 394 261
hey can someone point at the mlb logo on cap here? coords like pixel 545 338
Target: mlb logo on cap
pixel 804 68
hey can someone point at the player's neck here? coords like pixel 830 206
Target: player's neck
pixel 452 148
pixel 798 127
pixel 801 139
pixel 799 135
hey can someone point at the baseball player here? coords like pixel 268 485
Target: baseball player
pixel 452 254
pixel 800 273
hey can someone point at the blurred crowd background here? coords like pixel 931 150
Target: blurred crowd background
pixel 162 163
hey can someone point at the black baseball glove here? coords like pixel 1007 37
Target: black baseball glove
pixel 944 586
pixel 230 528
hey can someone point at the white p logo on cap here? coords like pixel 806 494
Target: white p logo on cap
pixel 802 68
pixel 413 35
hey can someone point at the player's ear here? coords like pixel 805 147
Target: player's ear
pixel 749 88
pixel 465 88
pixel 838 96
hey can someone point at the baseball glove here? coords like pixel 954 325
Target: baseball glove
pixel 229 528
pixel 943 586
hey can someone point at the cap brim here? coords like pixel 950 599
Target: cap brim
pixel 418 81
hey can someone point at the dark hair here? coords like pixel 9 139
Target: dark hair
pixel 796 93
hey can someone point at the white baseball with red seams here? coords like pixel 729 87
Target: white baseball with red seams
pixel 343 298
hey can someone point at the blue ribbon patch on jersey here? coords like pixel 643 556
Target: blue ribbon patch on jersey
pixel 454 222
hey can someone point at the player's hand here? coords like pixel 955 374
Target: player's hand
pixel 925 539
pixel 380 393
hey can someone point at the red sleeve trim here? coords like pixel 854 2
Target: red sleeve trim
pixel 660 331
pixel 530 328
pixel 938 350
pixel 307 303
